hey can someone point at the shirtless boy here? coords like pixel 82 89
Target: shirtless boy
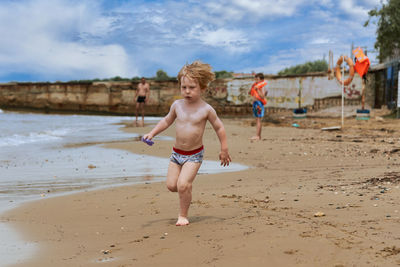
pixel 191 115
pixel 142 96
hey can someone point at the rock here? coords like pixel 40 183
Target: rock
pixel 319 214
pixel 394 150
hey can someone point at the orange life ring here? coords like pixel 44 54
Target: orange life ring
pixel 351 71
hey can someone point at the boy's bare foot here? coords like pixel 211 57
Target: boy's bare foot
pixel 136 123
pixel 255 138
pixel 182 221
pixel 142 124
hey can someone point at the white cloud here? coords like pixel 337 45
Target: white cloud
pixel 373 3
pixel 85 39
pixel 232 40
pixel 42 37
pixel 357 11
pixel 322 40
pixel 269 8
pixel 250 11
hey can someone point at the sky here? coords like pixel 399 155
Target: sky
pixel 63 40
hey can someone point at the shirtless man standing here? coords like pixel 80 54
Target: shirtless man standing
pixel 142 96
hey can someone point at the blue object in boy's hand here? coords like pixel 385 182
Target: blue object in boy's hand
pixel 148 141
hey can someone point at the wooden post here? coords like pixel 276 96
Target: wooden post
pixel 343 94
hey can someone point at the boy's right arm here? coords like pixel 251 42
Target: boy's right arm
pixel 261 92
pixel 162 124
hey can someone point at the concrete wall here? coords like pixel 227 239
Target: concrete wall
pixel 283 92
pixel 227 96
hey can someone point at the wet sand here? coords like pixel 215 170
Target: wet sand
pixel 310 198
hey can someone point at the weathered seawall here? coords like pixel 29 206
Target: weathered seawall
pixel 227 96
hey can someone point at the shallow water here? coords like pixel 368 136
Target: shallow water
pixel 34 161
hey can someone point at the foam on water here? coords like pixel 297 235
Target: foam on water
pixel 19 139
pixel 39 128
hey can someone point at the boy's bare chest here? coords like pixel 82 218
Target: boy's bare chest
pixel 194 117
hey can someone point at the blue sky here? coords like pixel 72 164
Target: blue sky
pixel 62 40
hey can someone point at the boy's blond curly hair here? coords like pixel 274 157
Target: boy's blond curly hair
pixel 199 71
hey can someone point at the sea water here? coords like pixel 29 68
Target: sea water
pixel 35 160
pixel 38 161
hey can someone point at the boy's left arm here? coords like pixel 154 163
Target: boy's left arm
pixel 220 130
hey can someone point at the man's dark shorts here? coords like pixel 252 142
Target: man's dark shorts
pixel 141 99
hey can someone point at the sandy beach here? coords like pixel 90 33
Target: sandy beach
pixel 309 198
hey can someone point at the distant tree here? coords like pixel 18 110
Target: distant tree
pixel 79 81
pixel 311 66
pixel 117 79
pixel 388 30
pixel 162 76
pixel 223 74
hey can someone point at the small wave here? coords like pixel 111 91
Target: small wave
pixel 58 132
pixel 18 139
pixel 1 111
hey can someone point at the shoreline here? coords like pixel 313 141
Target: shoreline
pixel 265 213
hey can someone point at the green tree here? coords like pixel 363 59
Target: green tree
pixel 223 74
pixel 116 79
pixel 161 76
pixel 388 29
pixel 311 66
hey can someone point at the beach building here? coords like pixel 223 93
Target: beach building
pixel 383 84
